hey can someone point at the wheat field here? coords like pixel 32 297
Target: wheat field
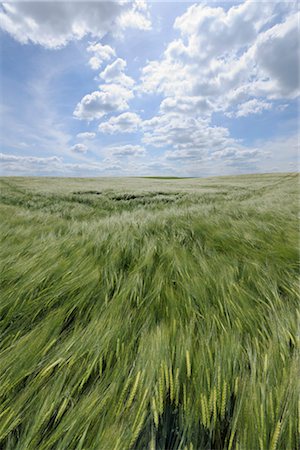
pixel 144 313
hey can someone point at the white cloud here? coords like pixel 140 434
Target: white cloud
pixel 136 17
pixel 187 105
pixel 95 62
pixel 197 145
pixel 253 106
pixel 166 76
pixel 11 164
pixel 127 150
pixel 86 135
pixel 114 73
pixel 6 157
pixel 231 60
pixel 79 148
pixel 276 54
pixel 101 53
pixel 280 154
pixel 235 155
pixel 31 165
pixel 54 24
pixel 127 122
pixel 213 32
pixel 109 98
pixel 180 131
pixel 226 57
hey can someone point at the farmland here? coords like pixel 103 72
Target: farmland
pixel 146 313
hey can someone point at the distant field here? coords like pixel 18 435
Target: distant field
pixel 143 313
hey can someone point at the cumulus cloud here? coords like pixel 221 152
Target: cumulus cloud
pixel 114 73
pixel 183 132
pixel 101 53
pixel 109 98
pixel 236 154
pixel 27 164
pixel 127 150
pixel 276 53
pixel 226 57
pixel 187 105
pixel 86 135
pixel 233 61
pixel 167 76
pixel 31 165
pixel 196 144
pixel 237 60
pixel 6 157
pixel 136 17
pixel 212 31
pixel 54 24
pixel 254 106
pixel 127 122
pixel 79 148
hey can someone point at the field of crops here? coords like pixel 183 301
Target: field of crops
pixel 149 313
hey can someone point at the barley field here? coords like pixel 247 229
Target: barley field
pixel 144 313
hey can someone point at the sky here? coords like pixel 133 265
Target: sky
pixel 140 88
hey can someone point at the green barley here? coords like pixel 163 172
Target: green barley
pixel 176 387
pixel 133 390
pixel 223 400
pixel 137 429
pixel 188 364
pixel 204 411
pixel 155 412
pixel 275 436
pixel 171 384
pixel 127 303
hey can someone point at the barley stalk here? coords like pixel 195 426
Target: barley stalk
pixel 236 386
pixel 184 398
pixel 122 396
pixel 188 364
pixel 133 391
pixel 171 384
pixel 155 412
pixel 167 379
pixel 161 393
pixel 204 411
pixel 224 399
pixel 137 429
pixel 275 436
pixel 176 387
pixel 214 406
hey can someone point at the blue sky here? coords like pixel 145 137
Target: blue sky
pixel 157 88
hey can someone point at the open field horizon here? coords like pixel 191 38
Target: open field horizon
pixel 158 314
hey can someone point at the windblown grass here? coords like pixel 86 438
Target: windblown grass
pixel 149 314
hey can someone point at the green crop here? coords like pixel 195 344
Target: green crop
pixel 149 313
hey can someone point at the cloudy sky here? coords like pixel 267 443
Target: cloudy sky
pixel 158 88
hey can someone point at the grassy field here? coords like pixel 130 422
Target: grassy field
pixel 147 313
